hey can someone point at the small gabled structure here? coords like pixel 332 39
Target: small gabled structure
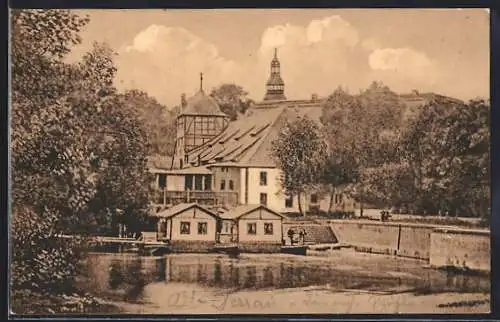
pixel 253 224
pixel 187 222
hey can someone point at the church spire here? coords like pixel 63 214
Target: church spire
pixel 275 87
pixel 201 82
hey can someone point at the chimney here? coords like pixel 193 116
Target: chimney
pixel 314 97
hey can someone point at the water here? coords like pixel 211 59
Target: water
pixel 127 277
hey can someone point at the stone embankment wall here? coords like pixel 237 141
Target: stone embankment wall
pixel 442 247
pixel 462 248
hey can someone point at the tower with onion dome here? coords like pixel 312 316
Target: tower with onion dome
pixel 199 121
pixel 275 87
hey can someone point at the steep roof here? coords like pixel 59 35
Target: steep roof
pixel 239 141
pixel 242 210
pixel 177 209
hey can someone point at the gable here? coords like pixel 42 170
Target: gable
pixel 261 214
pixel 195 213
pixel 191 210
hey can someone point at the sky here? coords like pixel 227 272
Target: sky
pixel 162 52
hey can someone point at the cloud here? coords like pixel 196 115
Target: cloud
pixel 333 29
pixel 166 62
pixel 398 58
pixel 402 66
pixel 315 58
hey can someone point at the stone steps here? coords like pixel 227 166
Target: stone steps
pixel 315 234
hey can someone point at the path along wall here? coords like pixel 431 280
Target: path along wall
pixel 441 247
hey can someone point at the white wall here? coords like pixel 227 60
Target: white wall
pixel 242 185
pixel 273 188
pixel 194 216
pixel 275 195
pixel 260 218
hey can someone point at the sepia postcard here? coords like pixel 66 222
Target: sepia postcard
pixel 259 161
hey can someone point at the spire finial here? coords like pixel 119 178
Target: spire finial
pixel 201 81
pixel 275 52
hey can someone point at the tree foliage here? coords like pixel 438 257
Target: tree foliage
pixel 361 131
pixel 78 152
pixel 447 147
pixel 232 99
pixel 426 158
pixel 299 152
pixel 157 119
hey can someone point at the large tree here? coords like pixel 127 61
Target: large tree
pixel 447 148
pixel 78 154
pixel 300 152
pixel 232 99
pixel 343 163
pixel 157 119
pixel 362 132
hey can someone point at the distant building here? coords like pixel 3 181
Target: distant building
pixel 223 163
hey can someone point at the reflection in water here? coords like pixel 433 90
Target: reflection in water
pixel 128 275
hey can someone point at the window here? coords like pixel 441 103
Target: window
pixel 223 185
pixel 252 228
pixel 202 228
pixel 185 228
pixel 314 198
pixel 263 178
pixel 231 185
pixel 188 182
pixel 198 182
pixel 180 163
pixel 268 228
pixel 162 181
pixel 338 198
pixel 208 182
pixel 289 202
pixel 263 199
pixel 226 228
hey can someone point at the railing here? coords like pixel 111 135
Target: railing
pixel 225 198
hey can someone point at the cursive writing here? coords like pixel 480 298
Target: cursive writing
pixel 226 301
pixel 220 302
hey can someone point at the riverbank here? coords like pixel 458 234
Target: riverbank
pixel 345 281
pixel 193 299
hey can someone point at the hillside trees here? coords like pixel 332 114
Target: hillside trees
pixel 300 152
pixel 77 152
pixel 232 99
